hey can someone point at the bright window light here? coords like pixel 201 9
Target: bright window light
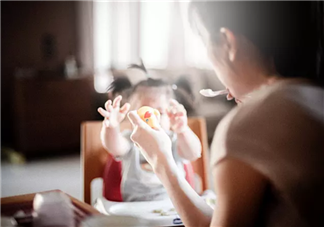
pixel 123 31
pixel 102 45
pixel 155 28
pixel 102 35
pixel 122 35
pixel 195 50
pixel 102 81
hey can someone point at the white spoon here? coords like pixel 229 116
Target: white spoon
pixel 211 93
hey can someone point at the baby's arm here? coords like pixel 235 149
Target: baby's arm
pixel 188 144
pixel 113 141
pixel 111 138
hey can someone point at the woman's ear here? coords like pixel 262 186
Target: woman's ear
pixel 230 43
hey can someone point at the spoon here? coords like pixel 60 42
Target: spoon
pixel 211 93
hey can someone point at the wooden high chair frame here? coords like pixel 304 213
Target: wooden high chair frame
pixel 94 156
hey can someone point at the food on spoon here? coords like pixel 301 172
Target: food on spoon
pixel 211 93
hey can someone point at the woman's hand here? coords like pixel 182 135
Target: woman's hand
pixel 154 144
pixel 112 113
pixel 178 117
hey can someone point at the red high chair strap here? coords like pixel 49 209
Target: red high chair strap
pixel 111 180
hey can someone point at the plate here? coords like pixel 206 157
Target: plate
pixel 151 213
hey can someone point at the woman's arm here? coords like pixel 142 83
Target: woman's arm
pixel 192 209
pixel 240 190
pixel 188 145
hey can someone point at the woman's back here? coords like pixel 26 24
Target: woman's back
pixel 281 135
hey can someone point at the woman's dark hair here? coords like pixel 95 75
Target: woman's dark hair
pixel 288 32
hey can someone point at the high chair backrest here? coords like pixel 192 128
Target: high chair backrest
pixel 94 156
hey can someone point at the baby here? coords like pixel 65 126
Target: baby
pixel 139 183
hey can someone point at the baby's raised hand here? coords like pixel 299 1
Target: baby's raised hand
pixel 178 116
pixel 113 113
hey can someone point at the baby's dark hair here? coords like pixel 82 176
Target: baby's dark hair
pixel 151 83
pixel 180 90
pixel 123 84
pixel 119 85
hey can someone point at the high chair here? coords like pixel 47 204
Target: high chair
pixel 95 158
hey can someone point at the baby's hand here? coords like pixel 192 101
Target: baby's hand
pixel 112 113
pixel 178 116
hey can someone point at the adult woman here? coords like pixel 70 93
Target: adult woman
pixel 267 154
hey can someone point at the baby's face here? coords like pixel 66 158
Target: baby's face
pixel 157 101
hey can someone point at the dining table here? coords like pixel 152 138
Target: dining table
pixel 24 203
pixel 84 214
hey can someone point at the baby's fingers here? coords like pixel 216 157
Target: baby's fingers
pixel 125 108
pixel 174 102
pixel 179 114
pixel 103 112
pixel 171 112
pixel 180 108
pixel 175 108
pixel 116 103
pixel 108 105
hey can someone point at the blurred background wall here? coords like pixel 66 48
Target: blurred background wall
pixel 58 59
pixel 25 27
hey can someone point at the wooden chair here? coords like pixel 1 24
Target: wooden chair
pixel 94 156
